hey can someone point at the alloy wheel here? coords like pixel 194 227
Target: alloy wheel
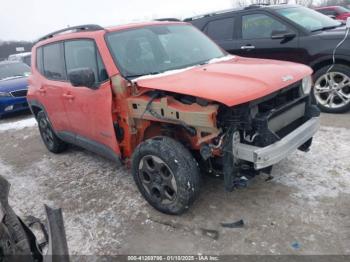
pixel 46 132
pixel 332 90
pixel 157 179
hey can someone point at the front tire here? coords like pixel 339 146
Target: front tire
pixel 166 174
pixel 50 139
pixel 331 90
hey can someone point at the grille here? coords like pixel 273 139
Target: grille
pixel 19 93
pixel 279 114
pixel 279 99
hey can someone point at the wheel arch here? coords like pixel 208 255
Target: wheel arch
pixel 329 61
pixel 36 110
pixel 35 107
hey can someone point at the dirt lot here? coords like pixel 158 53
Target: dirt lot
pixel 305 209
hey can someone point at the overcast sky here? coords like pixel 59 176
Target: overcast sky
pixel 30 19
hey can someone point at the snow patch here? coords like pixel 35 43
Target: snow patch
pixel 322 172
pixel 177 71
pixel 30 122
pixel 166 73
pixel 5 170
pixel 221 59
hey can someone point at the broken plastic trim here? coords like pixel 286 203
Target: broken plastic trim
pixel 237 224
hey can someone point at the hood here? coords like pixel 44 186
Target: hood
pixel 13 84
pixel 333 34
pixel 231 82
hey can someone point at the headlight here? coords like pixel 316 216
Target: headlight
pixel 306 85
pixel 3 94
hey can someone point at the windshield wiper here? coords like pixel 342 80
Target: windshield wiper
pixel 326 28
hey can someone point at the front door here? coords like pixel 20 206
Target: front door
pixel 257 32
pixel 89 110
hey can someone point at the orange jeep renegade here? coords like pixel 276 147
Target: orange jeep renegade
pixel 166 100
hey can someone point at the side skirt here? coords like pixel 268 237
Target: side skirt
pixel 89 145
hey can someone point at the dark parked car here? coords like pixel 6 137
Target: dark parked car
pixel 292 33
pixel 335 12
pixel 13 87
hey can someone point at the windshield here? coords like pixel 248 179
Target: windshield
pixel 307 18
pixel 155 49
pixel 13 70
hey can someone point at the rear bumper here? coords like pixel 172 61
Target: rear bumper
pixel 263 157
pixel 12 104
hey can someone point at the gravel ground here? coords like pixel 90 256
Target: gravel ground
pixel 305 209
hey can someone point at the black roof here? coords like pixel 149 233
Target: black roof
pixel 261 6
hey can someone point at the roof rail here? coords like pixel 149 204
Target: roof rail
pixel 78 28
pixel 211 14
pixel 170 19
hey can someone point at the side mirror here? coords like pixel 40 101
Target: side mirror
pixel 331 16
pixel 282 35
pixel 82 77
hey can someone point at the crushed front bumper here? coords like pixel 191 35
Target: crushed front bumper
pixel 263 157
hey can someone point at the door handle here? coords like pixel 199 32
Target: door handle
pixel 68 96
pixel 247 47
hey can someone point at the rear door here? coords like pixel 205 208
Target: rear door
pixel 50 64
pixel 89 110
pixel 256 38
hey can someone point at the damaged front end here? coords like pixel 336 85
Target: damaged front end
pixel 267 130
pixel 235 142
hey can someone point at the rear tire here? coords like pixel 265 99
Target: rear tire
pixel 166 174
pixel 53 143
pixel 331 91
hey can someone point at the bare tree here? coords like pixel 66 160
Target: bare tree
pixel 334 2
pixel 9 47
pixel 307 3
pixel 258 2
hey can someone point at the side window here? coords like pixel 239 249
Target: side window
pixel 329 12
pixel 39 60
pixel 53 62
pixel 260 26
pixel 221 29
pixel 324 11
pixel 83 54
